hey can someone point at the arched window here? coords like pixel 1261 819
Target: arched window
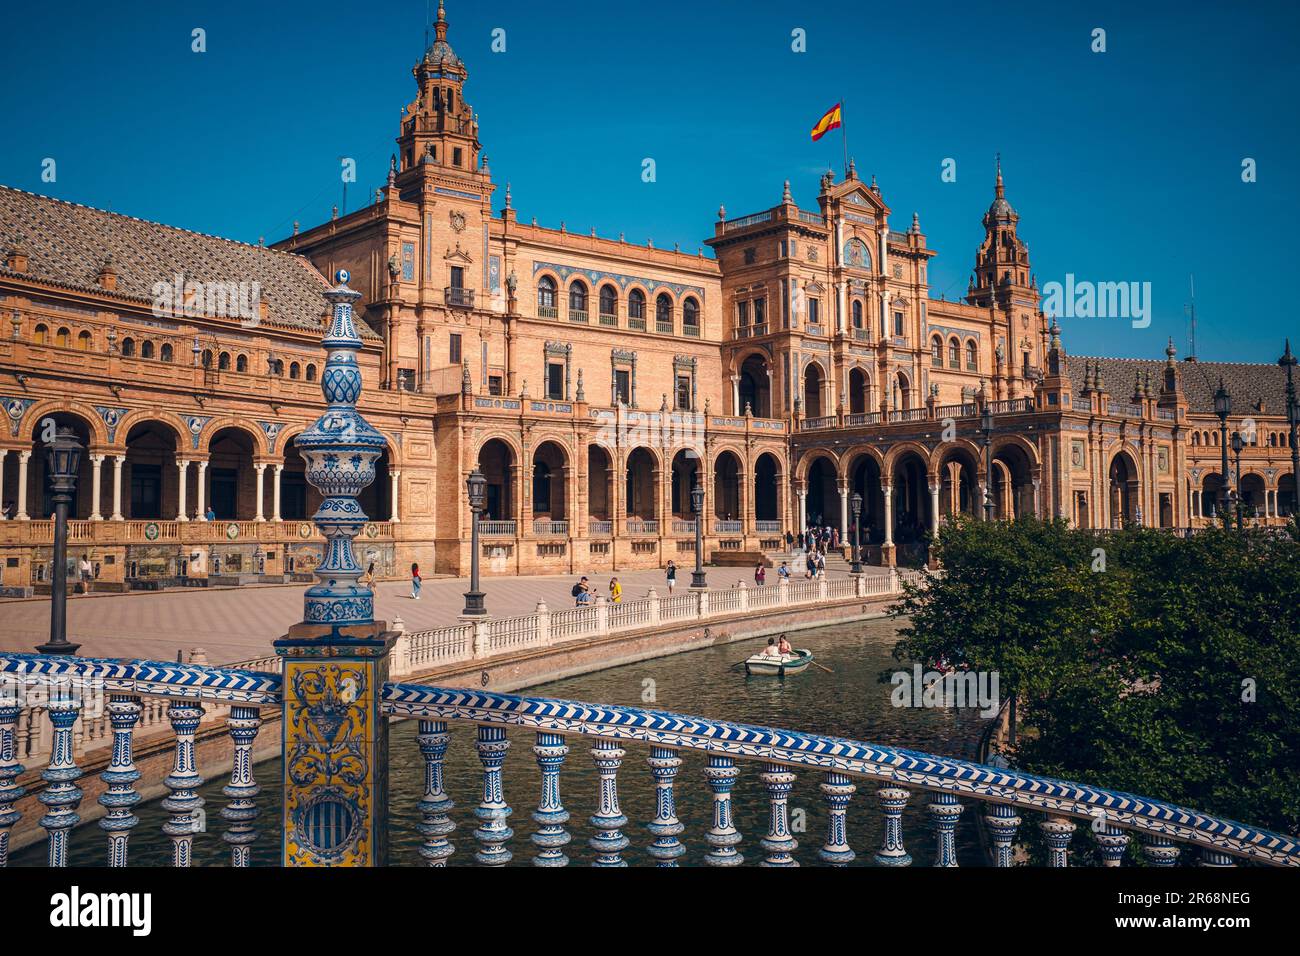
pixel 311 372
pixel 295 370
pixel 83 341
pixel 936 352
pixel 223 361
pixel 857 313
pixel 608 301
pixel 146 350
pixel 207 358
pixel 241 363
pixel 277 367
pixel 972 357
pixel 954 353
pixel 1196 438
pixel 128 347
pixel 41 335
pixel 691 316
pixel 63 338
pixel 636 304
pixel 546 297
pixel 167 353
pixel 578 301
pixel 664 312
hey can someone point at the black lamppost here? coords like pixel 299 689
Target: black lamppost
pixel 1288 362
pixel 476 486
pixel 986 426
pixel 1237 445
pixel 62 459
pixel 697 506
pixel 856 503
pixel 1223 408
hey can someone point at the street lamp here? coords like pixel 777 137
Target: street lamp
pixel 697 506
pixel 62 459
pixel 476 486
pixel 986 426
pixel 1223 408
pixel 856 503
pixel 1237 445
pixel 1288 362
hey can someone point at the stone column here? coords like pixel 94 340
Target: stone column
pixel 843 488
pixel 394 510
pixel 803 509
pixel 888 491
pixel 23 458
pixel 118 462
pixel 735 396
pixel 934 511
pixel 182 470
pixel 4 456
pixel 200 503
pixel 96 469
pixel 275 491
pixel 260 468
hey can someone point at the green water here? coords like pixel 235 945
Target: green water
pixel 849 703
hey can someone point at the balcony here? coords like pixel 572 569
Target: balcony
pixel 636 323
pixel 607 319
pixel 458 298
pixel 496 529
pixel 691 331
pixel 664 328
pixel 548 312
pixel 579 316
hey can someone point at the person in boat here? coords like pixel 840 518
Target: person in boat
pixel 771 650
pixel 783 645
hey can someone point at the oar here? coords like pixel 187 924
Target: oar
pixel 826 669
pixel 737 664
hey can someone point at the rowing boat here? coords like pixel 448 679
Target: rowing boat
pixel 769 666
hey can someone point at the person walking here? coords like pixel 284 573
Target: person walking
pixel 615 590
pixel 760 575
pixel 671 573
pixel 368 579
pixel 87 572
pixel 783 571
pixel 415 582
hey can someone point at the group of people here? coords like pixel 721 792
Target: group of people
pixel 777 647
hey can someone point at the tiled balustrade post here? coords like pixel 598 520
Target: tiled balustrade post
pixel 783 590
pixel 744 595
pixel 479 640
pixel 602 614
pixel 653 598
pixel 335 777
pixel 702 608
pixel 10 768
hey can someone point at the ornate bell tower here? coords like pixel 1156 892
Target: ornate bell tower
pixel 439 127
pixel 1003 282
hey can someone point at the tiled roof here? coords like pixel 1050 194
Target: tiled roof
pixel 67 244
pixel 1247 383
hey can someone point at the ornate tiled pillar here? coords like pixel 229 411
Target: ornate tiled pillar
pixel 336 661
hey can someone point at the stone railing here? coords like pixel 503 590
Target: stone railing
pixel 194 531
pixel 839 766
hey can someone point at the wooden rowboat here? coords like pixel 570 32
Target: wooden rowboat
pixel 764 665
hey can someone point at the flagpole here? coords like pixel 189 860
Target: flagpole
pixel 844 134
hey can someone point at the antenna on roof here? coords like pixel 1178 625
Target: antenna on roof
pixel 1190 310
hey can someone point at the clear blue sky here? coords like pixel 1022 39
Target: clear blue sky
pixel 1124 166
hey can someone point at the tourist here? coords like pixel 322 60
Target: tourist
pixel 10 510
pixel 783 645
pixel 783 571
pixel 210 515
pixel 368 579
pixel 87 572
pixel 581 592
pixel 615 590
pixel 789 540
pixel 771 650
pixel 415 582
pixel 760 575
pixel 672 576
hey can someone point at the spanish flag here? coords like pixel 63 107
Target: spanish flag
pixel 827 123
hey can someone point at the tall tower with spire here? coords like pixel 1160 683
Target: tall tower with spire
pixel 439 128
pixel 1003 282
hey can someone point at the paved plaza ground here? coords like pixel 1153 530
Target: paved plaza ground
pixel 233 624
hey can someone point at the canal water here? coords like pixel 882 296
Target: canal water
pixel 851 702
